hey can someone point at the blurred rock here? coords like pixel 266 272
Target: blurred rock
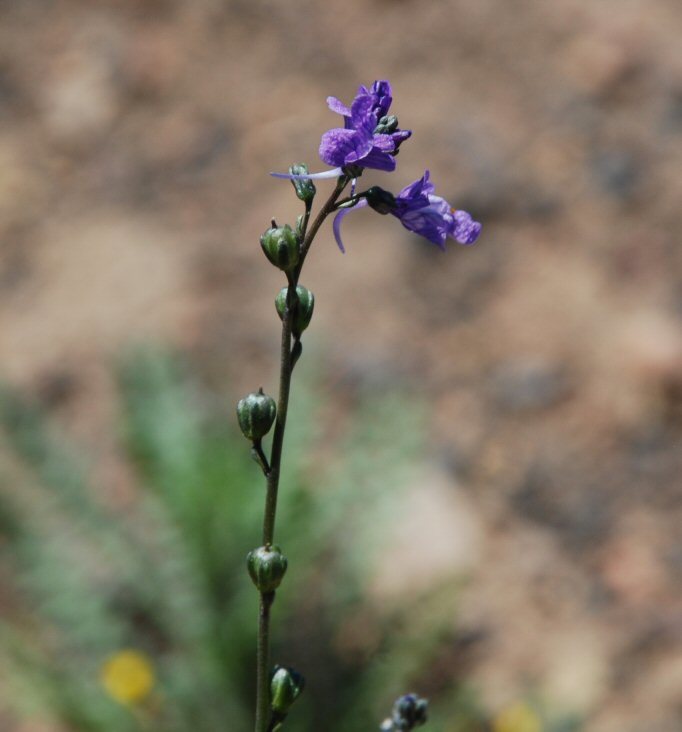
pixel 599 60
pixel 436 537
pixel 528 386
pixel 81 95
pixel 577 676
pixel 618 172
pixel 672 117
pixel 551 495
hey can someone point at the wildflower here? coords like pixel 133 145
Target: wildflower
pixel 518 717
pixel 128 677
pixel 368 139
pixel 419 210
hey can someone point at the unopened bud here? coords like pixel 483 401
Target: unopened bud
pixel 302 308
pixel 256 412
pixel 267 567
pixel 304 187
pixel 280 245
pixel 386 125
pixel 381 201
pixel 285 687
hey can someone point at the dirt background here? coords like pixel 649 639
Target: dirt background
pixel 135 141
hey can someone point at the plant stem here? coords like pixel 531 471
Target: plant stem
pixel 272 477
pixel 319 220
pixel 266 599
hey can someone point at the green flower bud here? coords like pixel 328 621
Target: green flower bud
pixel 305 188
pixel 267 566
pixel 286 686
pixel 280 245
pixel 303 308
pixel 256 412
pixel 380 200
pixel 386 125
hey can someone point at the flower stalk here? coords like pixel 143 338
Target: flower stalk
pixel 370 139
pixel 289 352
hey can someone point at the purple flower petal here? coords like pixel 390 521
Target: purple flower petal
pixel 339 218
pixel 464 228
pixel 381 91
pixel 340 147
pixel 426 223
pixel 336 105
pixel 362 116
pixel 378 160
pixel 420 187
pixel 385 143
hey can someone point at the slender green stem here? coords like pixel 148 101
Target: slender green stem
pixel 319 220
pixel 306 218
pixel 272 476
pixel 280 424
pixel 349 199
pixel 263 654
pixel 259 456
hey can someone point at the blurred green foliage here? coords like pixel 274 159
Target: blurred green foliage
pixel 165 573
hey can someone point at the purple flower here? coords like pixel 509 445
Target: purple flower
pixel 368 139
pixel 359 142
pixel 431 216
pixel 419 210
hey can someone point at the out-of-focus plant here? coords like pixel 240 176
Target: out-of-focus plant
pixel 136 618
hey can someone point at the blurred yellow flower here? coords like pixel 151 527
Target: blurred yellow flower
pixel 518 717
pixel 128 677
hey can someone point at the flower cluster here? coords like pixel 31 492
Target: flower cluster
pixel 371 138
pixel 409 711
